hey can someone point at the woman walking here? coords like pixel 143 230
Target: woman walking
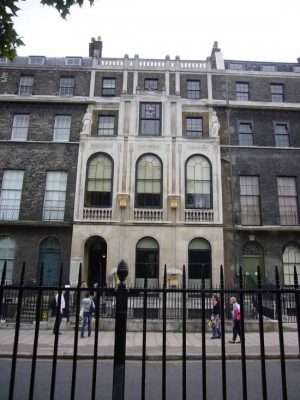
pixel 236 318
pixel 215 318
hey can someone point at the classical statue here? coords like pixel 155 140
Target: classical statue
pixel 214 125
pixel 86 123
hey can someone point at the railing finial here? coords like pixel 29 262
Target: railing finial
pixel 122 272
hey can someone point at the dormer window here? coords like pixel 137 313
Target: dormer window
pixel 73 61
pixel 268 68
pixel 36 60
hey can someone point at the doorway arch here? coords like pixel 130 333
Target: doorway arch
pixel 199 263
pixel 96 251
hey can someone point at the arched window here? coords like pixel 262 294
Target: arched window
pixel 198 183
pixel 49 256
pixel 199 266
pixel 290 258
pixel 7 253
pixel 147 262
pixel 99 181
pixel 252 257
pixel 148 182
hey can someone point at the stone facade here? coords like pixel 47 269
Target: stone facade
pixel 199 219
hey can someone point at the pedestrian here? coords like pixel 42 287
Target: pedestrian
pixel 215 318
pixel 83 285
pixel 236 318
pixel 88 307
pixel 59 312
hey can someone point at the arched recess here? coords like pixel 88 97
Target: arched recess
pixel 99 181
pixel 198 173
pixel 96 255
pixel 290 258
pixel 148 193
pixel 252 256
pixel 199 263
pixel 147 262
pixel 49 256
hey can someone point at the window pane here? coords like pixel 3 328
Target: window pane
pixel 149 182
pixel 288 201
pixel 7 253
pixel 198 185
pixel 194 127
pixel 250 201
pixel 150 119
pixel 66 86
pixel 55 195
pixel 282 135
pixel 151 84
pixel 26 83
pixel 106 125
pixel 99 183
pixel 108 87
pixel 20 127
pixel 62 127
pixel 193 89
pixel 11 192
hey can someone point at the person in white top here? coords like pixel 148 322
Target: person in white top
pixel 236 318
pixel 61 311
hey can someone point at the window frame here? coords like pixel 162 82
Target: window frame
pixel 191 93
pixel 285 219
pixel 109 91
pixel 71 61
pixel 236 66
pixel 58 130
pixel 87 180
pixel 194 207
pixel 36 60
pixel 189 132
pixel 15 207
pixel 256 218
pixel 287 135
pixel 15 129
pixel 150 81
pixel 60 210
pixel 242 95
pixel 66 90
pixel 275 94
pixel 141 118
pixel 107 129
pixel 26 89
pixel 10 256
pixel 137 180
pixel 241 122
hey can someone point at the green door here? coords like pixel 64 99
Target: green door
pixel 251 258
pixel 49 256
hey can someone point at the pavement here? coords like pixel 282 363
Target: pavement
pixel 153 345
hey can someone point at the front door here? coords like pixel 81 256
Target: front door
pixel 97 262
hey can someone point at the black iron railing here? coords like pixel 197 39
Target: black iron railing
pixel 259 303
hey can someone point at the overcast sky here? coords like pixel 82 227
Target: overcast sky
pixel 258 30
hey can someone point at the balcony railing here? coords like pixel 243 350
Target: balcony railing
pixel 9 213
pixel 53 214
pixel 288 218
pixel 97 214
pixel 206 216
pixel 148 215
pixel 153 64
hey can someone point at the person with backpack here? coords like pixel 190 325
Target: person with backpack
pixel 87 307
pixel 236 318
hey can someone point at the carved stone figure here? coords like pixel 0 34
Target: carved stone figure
pixel 86 123
pixel 214 125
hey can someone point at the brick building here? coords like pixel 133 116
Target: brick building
pixel 154 161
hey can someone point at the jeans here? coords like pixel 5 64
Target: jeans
pixel 236 330
pixel 87 318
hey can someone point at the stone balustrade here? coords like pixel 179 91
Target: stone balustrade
pixel 148 215
pixel 97 214
pixel 205 216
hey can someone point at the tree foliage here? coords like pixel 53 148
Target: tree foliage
pixel 9 38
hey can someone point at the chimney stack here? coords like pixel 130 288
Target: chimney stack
pixel 95 47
